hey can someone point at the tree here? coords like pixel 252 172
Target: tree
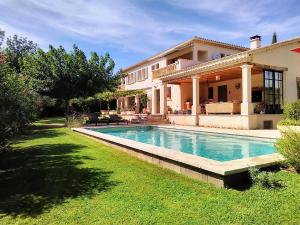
pixel 274 38
pixel 17 104
pixel 2 35
pixel 107 97
pixel 65 76
pixel 16 49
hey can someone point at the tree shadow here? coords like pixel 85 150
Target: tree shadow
pixel 35 132
pixel 36 178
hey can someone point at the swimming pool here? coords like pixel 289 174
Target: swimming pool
pixel 213 146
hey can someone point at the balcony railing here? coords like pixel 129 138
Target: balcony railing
pixel 178 65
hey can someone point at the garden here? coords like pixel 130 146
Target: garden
pixel 51 175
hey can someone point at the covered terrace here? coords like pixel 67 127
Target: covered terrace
pixel 240 95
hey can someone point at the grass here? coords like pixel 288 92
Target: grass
pixel 55 176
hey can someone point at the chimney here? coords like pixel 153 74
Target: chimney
pixel 255 42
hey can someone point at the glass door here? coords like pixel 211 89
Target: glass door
pixel 222 93
pixel 273 91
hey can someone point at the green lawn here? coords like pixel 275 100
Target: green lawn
pixel 55 176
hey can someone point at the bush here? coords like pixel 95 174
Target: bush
pixel 17 104
pixel 75 120
pixel 289 122
pixel 291 111
pixel 264 179
pixel 289 147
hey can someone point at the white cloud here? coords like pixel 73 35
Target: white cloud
pixel 126 25
pixel 239 10
pixel 118 23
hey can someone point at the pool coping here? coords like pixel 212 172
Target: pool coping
pixel 198 162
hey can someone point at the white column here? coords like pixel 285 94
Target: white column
pixel 196 96
pixel 153 101
pixel 246 106
pixel 137 104
pixel 163 98
pixel 118 105
pixel 179 98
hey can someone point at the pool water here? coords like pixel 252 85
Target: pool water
pixel 214 146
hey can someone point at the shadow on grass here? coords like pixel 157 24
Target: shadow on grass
pixel 34 132
pixel 36 178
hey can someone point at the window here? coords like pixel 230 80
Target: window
pixel 131 78
pixel 298 86
pixel 256 95
pixel 222 93
pixel 142 74
pixel 139 75
pixel 210 92
pixel 273 91
pixel 155 66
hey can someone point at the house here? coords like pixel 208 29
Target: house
pixel 203 82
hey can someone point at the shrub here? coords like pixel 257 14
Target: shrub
pixel 289 122
pixel 264 179
pixel 17 104
pixel 289 147
pixel 75 120
pixel 292 110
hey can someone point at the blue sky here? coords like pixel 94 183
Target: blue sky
pixel 133 30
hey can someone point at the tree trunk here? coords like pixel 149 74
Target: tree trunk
pixel 68 102
pixel 108 107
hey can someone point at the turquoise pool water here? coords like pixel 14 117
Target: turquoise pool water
pixel 208 145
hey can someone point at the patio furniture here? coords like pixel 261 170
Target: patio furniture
pixel 139 119
pixel 223 107
pixel 117 119
pixel 93 118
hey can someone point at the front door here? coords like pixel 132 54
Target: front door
pixel 222 93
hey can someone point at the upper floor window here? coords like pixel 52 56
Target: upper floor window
pixel 155 66
pixel 142 74
pixel 131 78
pixel 139 75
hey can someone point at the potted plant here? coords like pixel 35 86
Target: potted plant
pixel 169 110
pixel 188 104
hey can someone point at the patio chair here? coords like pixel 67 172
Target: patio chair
pixel 93 118
pixel 136 120
pixel 117 119
pixel 104 120
pixel 139 119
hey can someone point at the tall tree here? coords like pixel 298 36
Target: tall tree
pixel 17 104
pixel 2 35
pixel 274 38
pixel 65 76
pixel 16 49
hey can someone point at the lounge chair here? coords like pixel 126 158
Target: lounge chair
pixel 139 119
pixel 117 119
pixel 93 118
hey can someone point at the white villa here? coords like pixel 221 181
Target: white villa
pixel 202 82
